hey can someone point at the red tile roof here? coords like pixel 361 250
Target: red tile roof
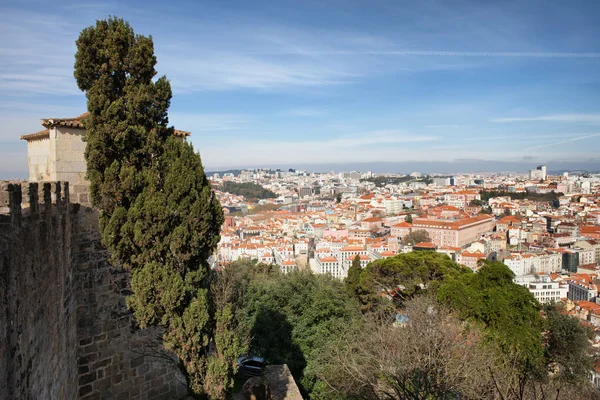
pixel 76 122
pixel 425 245
pixel 43 134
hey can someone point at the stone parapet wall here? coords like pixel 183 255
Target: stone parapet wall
pixel 38 335
pixel 65 330
pixel 115 359
pixel 30 195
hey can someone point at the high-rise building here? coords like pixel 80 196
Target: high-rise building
pixel 539 173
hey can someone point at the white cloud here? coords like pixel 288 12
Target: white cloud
pixel 427 53
pixel 593 118
pixel 37 52
pixel 208 122
pixel 304 112
pixel 384 145
pixel 446 126
pixel 575 139
pixel 230 71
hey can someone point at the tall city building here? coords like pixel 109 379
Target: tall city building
pixel 539 173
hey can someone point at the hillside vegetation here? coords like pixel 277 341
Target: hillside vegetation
pixel 249 190
pixel 414 326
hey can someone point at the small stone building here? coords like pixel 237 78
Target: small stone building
pixel 56 153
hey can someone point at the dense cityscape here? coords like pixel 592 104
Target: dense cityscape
pixel 322 200
pixel 545 228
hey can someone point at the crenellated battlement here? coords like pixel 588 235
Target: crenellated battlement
pixel 22 197
pixel 19 197
pixel 65 330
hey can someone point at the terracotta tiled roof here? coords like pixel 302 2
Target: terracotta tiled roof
pixel 37 135
pixel 403 224
pixel 361 256
pixel 428 245
pixel 455 225
pixel 328 259
pixel 76 122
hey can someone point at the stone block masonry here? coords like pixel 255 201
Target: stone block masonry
pixel 65 331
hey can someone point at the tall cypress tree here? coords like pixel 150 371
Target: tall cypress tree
pixel 353 279
pixel 158 215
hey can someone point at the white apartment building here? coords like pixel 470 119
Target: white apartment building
pixel 522 264
pixel 590 244
pixel 549 263
pixel 586 256
pixel 461 199
pixel 331 265
pixel 545 290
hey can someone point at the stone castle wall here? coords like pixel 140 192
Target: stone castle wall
pixel 38 358
pixel 65 331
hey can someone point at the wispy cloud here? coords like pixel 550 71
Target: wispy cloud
pixel 575 118
pixel 426 53
pixel 230 71
pixel 575 139
pixel 446 126
pixel 304 112
pixel 209 122
pixel 368 146
pixel 37 52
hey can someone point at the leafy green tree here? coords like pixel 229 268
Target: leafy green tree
pixel 353 279
pixel 404 276
pixel 291 317
pixel 250 190
pixel 416 236
pixel 409 219
pixel 508 311
pixel 158 215
pixel 475 203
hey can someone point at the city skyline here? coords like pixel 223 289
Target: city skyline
pixel 456 86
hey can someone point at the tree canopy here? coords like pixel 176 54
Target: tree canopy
pixel 416 236
pixel 158 215
pixel 509 312
pixel 250 190
pixel 353 278
pixel 404 276
pixel 290 318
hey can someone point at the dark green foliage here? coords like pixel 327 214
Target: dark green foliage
pixel 158 215
pixel 509 312
pixel 409 219
pixel 292 317
pixel 416 236
pixel 249 190
pixel 405 275
pixel 385 180
pixel 353 279
pixel 475 203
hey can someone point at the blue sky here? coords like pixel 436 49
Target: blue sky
pixel 307 82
